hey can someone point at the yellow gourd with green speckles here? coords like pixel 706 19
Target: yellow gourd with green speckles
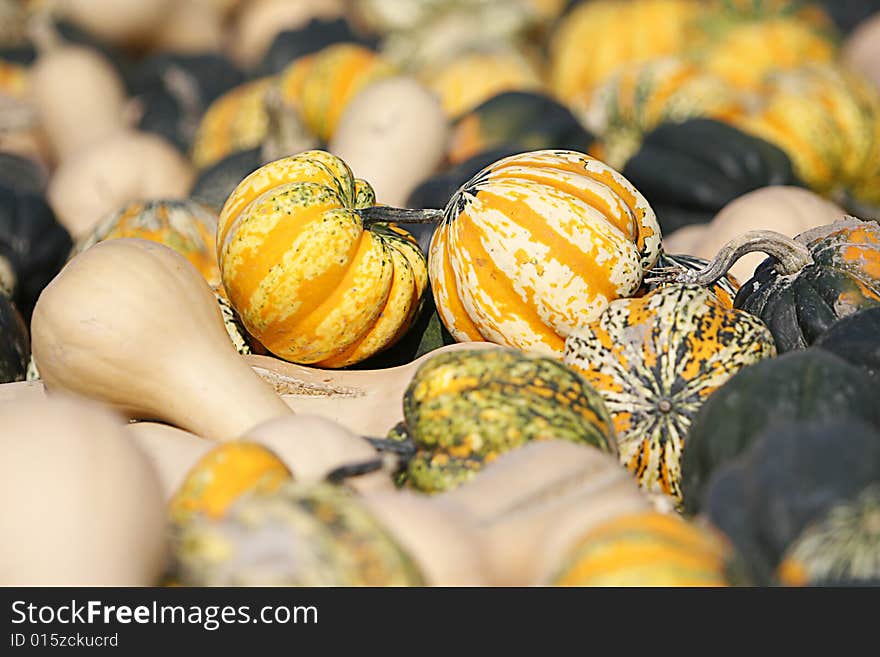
pixel 309 279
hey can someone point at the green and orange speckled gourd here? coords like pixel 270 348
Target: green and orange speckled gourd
pixel 647 549
pixel 464 408
pixel 300 535
pixel 186 226
pixel 311 279
pixel 655 360
pixel 535 245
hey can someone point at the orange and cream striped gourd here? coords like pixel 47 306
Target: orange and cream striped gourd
pixel 321 85
pixel 311 279
pixel 536 245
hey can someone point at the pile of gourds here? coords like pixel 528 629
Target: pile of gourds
pixel 448 292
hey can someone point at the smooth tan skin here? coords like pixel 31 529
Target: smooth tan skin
pixel 368 402
pixel 260 21
pixel 132 323
pixel 123 22
pixel 79 98
pixel 394 134
pixel 128 165
pixel 172 451
pixel 80 504
pixel 787 210
pixel 861 50
pixel 191 26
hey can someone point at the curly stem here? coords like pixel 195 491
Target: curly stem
pixel 791 257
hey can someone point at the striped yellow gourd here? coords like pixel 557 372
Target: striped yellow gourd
pixel 536 245
pixel 311 280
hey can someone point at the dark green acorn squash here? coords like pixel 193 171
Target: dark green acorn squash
pixel 33 245
pixel 689 171
pixel 847 14
pixel 856 339
pixel 21 174
pixel 810 385
pixel 791 476
pixel 175 89
pixel 517 119
pixel 15 347
pixel 839 274
pixel 312 37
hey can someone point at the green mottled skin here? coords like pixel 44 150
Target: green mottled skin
pixel 463 409
pixel 301 535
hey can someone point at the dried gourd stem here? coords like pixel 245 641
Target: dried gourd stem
pixel 41 30
pixel 791 257
pixel 285 134
pixel 386 214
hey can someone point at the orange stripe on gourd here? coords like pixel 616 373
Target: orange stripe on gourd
pixel 445 288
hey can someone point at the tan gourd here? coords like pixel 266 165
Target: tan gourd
pixel 260 21
pixel 191 26
pixel 313 446
pixel 368 402
pixel 172 451
pixel 861 50
pixel 22 391
pixel 126 166
pixel 77 94
pixel 786 210
pixel 394 134
pixel 532 503
pixel 80 504
pixel 132 323
pixel 122 22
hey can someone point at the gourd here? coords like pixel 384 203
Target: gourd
pixel 216 182
pixel 321 85
pixel 537 244
pixel 690 171
pixel 473 77
pixel 526 120
pixel 82 501
pixel 839 548
pixel 832 271
pixel 849 14
pixel 33 245
pixel 311 279
pixel 122 22
pixel 784 209
pixel 14 343
pixel 860 50
pixel 378 132
pixel 184 225
pixel 810 386
pixel 646 549
pixel 639 97
pixel 79 97
pixel 122 299
pixel 856 339
pixel 223 475
pixel 312 37
pixel 617 33
pixel 463 409
pixel 792 476
pixel 126 166
pixel 826 119
pixel 259 21
pixel 655 360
